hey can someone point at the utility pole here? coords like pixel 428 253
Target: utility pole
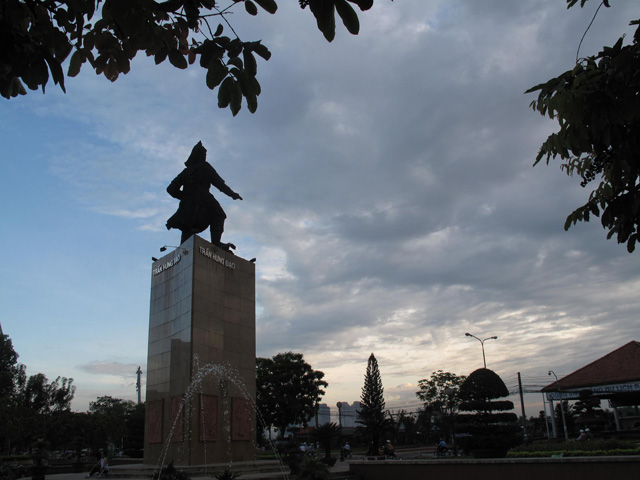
pixel 524 417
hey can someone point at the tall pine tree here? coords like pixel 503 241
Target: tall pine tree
pixel 371 412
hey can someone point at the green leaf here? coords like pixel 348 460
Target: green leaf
pixel 250 64
pixel 269 5
pixel 569 221
pixel 223 41
pixel 123 62
pixel 62 47
pixel 111 71
pixel 241 77
pixel 236 99
pixel 254 85
pixel 236 62
pixel 77 59
pixel 225 92
pixel 177 59
pixel 234 48
pixel 61 16
pixel 218 30
pixel 161 56
pixel 216 74
pixel 324 11
pixel 12 89
pixel 37 74
pixel 209 52
pixel 348 15
pixel 252 103
pixel 240 88
pixel 250 7
pixel 260 49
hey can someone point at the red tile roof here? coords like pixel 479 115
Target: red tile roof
pixel 620 366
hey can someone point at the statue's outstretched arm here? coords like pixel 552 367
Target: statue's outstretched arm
pixel 217 181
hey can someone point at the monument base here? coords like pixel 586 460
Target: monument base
pixel 201 359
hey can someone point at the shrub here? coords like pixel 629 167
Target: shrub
pixel 574 453
pixel 226 475
pixel 553 446
pixel 325 434
pixel 293 460
pixel 313 469
pixel 489 425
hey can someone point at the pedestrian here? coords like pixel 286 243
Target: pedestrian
pixel 101 467
pixel 347 449
pixel 388 450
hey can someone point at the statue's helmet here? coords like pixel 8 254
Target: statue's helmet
pixel 198 155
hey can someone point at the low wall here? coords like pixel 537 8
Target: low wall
pixel 583 468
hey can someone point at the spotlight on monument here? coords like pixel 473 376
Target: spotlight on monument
pixel 164 249
pixel 154 259
pixel 253 260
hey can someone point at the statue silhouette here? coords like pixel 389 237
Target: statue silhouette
pixel 199 209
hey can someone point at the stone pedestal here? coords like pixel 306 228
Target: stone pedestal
pixel 201 359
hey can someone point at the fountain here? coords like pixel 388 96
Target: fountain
pixel 225 374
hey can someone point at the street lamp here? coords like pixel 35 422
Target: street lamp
pixel 138 386
pixel 482 343
pixel 451 392
pixel 564 421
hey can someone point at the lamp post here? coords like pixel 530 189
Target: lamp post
pixel 451 393
pixel 564 421
pixel 482 343
pixel 138 385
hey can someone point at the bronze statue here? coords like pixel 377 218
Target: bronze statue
pixel 199 209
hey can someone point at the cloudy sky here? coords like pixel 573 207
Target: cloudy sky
pixel 389 197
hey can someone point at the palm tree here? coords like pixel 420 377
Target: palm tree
pixel 325 434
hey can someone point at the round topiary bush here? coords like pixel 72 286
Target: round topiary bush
pixel 491 428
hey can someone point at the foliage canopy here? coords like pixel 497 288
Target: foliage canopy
pixel 440 393
pixel 597 106
pixel 110 417
pixel 30 406
pixel 490 425
pixel 287 389
pixel 39 35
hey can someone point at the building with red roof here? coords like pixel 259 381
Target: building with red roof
pixel 615 377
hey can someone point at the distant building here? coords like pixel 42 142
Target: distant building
pixel 347 414
pixel 324 416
